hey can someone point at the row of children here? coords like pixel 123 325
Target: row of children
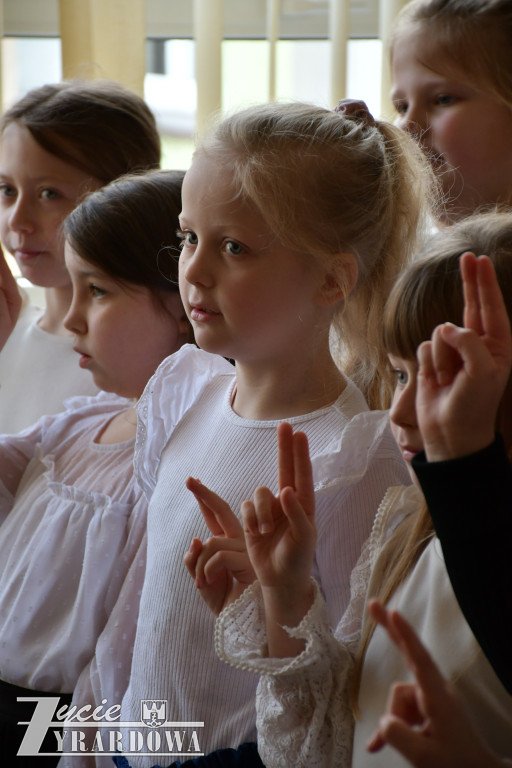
pixel 295 223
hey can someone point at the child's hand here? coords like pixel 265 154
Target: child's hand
pixel 10 301
pixel 426 721
pixel 220 566
pixel 280 530
pixel 463 371
pixel 280 535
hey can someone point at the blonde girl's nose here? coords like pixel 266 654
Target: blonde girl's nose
pixel 196 267
pixel 413 120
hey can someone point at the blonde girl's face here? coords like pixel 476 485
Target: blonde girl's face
pixel 121 334
pixel 247 296
pixel 465 132
pixel 402 414
pixel 37 191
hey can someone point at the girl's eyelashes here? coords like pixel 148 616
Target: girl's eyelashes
pixel 96 291
pixel 186 237
pixel 443 99
pixel 49 194
pixel 400 375
pixel 234 248
pixel 7 191
pixel 400 107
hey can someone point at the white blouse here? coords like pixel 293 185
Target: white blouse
pixel 74 523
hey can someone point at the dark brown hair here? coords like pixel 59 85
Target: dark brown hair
pixel 128 229
pixel 98 126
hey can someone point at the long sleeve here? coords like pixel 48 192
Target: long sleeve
pixel 470 501
pixel 16 451
pixel 303 717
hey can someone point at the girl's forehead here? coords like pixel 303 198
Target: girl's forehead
pixel 208 182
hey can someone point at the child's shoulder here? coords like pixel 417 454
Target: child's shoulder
pixel 188 363
pixel 172 391
pixel 103 402
pixel 365 439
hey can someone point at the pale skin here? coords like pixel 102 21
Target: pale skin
pixel 463 127
pixel 463 371
pixel 37 191
pixel 121 334
pixel 256 301
pixel 277 539
pixel 426 721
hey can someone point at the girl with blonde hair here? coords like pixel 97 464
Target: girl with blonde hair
pixel 451 63
pixel 295 223
pixel 321 694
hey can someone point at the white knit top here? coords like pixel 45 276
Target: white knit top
pixel 355 458
pixel 38 371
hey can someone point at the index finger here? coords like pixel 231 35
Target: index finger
pixel 417 657
pixel 217 513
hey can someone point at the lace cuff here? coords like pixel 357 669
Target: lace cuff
pixel 241 638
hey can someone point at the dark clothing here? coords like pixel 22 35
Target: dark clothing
pixel 470 501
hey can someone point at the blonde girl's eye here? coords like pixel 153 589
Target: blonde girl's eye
pixel 400 107
pixel 443 99
pixel 401 377
pixel 235 249
pixel 186 237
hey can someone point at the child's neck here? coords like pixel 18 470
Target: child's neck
pixel 58 301
pixel 283 392
pixel 121 428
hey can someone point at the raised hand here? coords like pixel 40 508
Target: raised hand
pixel 280 535
pixel 463 371
pixel 426 721
pixel 220 566
pixel 279 530
pixel 10 301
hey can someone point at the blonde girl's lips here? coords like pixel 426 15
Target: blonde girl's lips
pixel 202 315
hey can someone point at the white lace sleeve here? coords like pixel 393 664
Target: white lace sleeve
pixel 303 714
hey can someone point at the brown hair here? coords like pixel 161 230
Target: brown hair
pixel 97 126
pixel 425 295
pixel 128 230
pixel 471 38
pixel 329 184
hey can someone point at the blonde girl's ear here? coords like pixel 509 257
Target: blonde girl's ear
pixel 340 279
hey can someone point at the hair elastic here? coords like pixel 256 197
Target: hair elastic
pixel 355 109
